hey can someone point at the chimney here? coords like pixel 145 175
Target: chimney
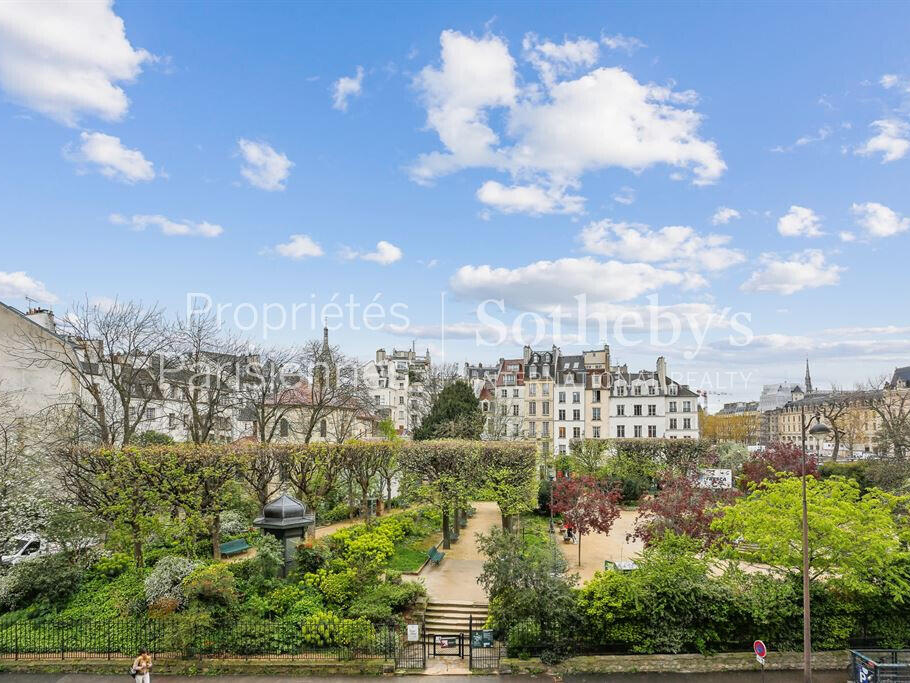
pixel 380 355
pixel 43 317
pixel 527 353
pixel 662 373
pixel 607 357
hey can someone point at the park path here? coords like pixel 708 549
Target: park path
pixel 595 548
pixel 455 578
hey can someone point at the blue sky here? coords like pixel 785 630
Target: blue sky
pixel 511 151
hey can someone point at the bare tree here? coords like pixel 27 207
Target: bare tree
pixel 429 384
pixel 266 393
pixel 263 471
pixel 892 406
pixel 834 409
pixel 205 372
pixel 114 354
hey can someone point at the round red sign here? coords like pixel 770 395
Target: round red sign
pixel 759 648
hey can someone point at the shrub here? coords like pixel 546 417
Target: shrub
pixel 112 565
pixel 234 523
pixel 337 588
pixel 385 600
pixel 311 559
pixel 47 580
pixel 166 579
pixel 282 599
pixel 321 629
pixel 370 552
pixel 212 585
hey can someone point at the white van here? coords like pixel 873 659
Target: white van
pixel 28 547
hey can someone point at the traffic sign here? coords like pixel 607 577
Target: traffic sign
pixel 760 649
pixel 760 659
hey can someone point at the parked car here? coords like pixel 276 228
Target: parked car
pixel 27 547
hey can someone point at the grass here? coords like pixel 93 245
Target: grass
pixel 410 555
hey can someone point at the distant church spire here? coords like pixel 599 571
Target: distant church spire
pixel 808 378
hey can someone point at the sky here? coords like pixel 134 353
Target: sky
pixel 725 184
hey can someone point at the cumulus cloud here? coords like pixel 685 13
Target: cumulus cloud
pixel 544 285
pixel 846 236
pixel 627 44
pixel 805 270
pixel 264 167
pixel 385 253
pixel 676 246
pixel 530 199
pixel 878 220
pixel 556 130
pixel 345 88
pixel 800 222
pixel 65 59
pixel 167 226
pixel 626 195
pixel 110 158
pixel 724 215
pixel 298 247
pixel 892 140
pixel 19 285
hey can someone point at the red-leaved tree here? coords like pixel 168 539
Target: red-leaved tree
pixel 585 506
pixel 776 459
pixel 683 507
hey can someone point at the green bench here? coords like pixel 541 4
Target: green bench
pixel 434 555
pixel 234 547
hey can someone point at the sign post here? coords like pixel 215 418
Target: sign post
pixel 760 653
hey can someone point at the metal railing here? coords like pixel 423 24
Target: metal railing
pixel 880 666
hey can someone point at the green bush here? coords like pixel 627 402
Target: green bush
pixel 211 585
pixel 46 580
pixel 382 602
pixel 112 565
pixel 165 582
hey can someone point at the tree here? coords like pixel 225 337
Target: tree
pixel 585 506
pixel 151 438
pixel 776 460
pixel 114 355
pixel 854 540
pixel 205 370
pixel 684 508
pixel 261 468
pixel 588 455
pixel 429 385
pixel 455 414
pixel 509 472
pixel 313 469
pixel 266 391
pixel 362 461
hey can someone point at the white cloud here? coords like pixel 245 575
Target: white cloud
pixel 676 246
pixel 889 81
pixel 168 226
pixel 299 247
pixel 878 220
pixel 19 285
pixel 724 215
pixel 111 158
pixel 846 236
pixel 805 270
pixel 531 199
pixel 556 130
pixel 264 167
pixel 892 140
pixel 626 195
pixel 64 59
pixel 628 44
pixel 385 254
pixel 543 285
pixel 345 88
pixel 800 221
pixel 823 133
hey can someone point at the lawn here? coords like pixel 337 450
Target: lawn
pixel 410 555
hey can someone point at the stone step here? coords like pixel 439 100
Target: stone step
pixel 433 609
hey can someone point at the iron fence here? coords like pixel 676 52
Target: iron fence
pixel 180 638
pixel 880 666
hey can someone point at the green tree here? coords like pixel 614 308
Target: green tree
pixel 455 414
pixel 151 438
pixel 854 540
pixel 510 475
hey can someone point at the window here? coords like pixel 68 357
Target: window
pixel 545 389
pixel 401 400
pixel 532 389
pixel 651 390
pixel 532 408
pixel 576 414
pixel 672 390
pixel 546 408
pixel 576 432
pixel 515 410
pixel 652 409
pixel 562 449
pixel 561 414
pixel 638 389
pixel 652 431
pixel 687 423
pixel 620 391
pixel 545 429
pixel 486 406
pixel 504 393
pixel 502 409
pixel 687 406
pixel 596 380
pixel 595 414
pixel 637 431
pixel 576 397
pixel 514 393
pixel 672 406
pixel 400 414
pixel 283 428
pixel 533 429
pixel 562 397
pixel 323 428
pixel 377 399
pixel 620 409
pixel 562 432
pixel 597 432
pixel 620 431
pixel 636 409
pixel 401 385
pixel 596 397
pixel 515 430
pixel 171 421
pixel 673 423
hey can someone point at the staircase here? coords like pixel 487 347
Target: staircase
pixel 449 617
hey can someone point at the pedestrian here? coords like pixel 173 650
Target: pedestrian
pixel 141 666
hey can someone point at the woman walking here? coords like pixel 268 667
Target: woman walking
pixel 141 666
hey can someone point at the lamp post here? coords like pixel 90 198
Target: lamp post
pixel 817 430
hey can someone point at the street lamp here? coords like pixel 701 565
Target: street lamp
pixel 818 430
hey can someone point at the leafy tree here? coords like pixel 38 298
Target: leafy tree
pixel 585 506
pixel 455 414
pixel 313 469
pixel 151 438
pixel 854 540
pixel 775 461
pixel 587 455
pixel 510 474
pixel 684 508
pixel 362 461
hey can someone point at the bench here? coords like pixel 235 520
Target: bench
pixel 234 547
pixel 434 555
